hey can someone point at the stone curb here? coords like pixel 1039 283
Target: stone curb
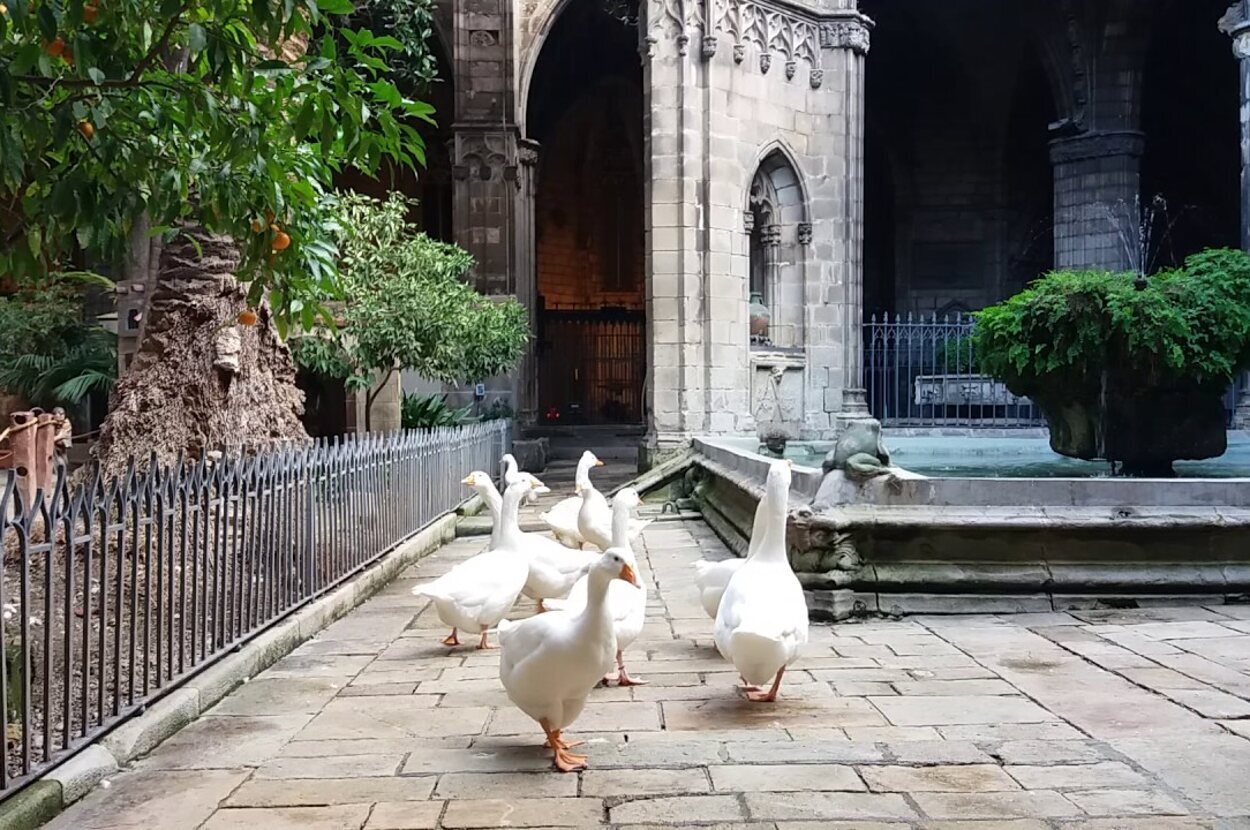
pixel 133 738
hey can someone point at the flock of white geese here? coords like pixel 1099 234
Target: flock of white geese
pixel 594 605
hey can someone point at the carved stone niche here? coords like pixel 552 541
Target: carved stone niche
pixel 777 384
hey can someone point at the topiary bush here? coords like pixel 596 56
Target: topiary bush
pixel 1130 375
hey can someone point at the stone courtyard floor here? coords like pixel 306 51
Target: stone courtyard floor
pixel 1114 719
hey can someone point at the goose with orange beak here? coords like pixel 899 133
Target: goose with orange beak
pixel 550 663
pixel 628 604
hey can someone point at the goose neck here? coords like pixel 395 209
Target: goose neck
pixel 620 525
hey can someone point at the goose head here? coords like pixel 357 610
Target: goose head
pixel 628 498
pixel 616 563
pixel 479 481
pixel 582 480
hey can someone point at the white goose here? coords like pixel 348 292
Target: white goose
pixel 512 474
pixel 477 593
pixel 484 487
pixel 562 518
pixel 594 520
pixel 712 577
pixel 762 620
pixel 628 604
pixel 551 662
pixel 553 568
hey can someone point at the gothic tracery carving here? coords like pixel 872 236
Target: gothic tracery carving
pixel 774 31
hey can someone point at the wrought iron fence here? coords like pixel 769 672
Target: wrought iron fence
pixel 922 372
pixel 114 592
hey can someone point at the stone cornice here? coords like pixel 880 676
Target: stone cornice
pixel 1096 145
pixel 779 32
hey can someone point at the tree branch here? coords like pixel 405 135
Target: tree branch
pixel 372 396
pixel 158 48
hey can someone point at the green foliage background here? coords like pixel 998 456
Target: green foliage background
pixel 408 306
pixel 186 112
pixel 48 355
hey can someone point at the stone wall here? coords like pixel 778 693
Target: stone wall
pixel 731 84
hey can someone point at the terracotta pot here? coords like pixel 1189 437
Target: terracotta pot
pixel 760 318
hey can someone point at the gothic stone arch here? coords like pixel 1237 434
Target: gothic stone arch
pixel 778 228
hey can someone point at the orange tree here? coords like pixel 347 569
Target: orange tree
pixel 227 115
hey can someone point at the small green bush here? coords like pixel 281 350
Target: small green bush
pixel 1067 330
pixel 429 412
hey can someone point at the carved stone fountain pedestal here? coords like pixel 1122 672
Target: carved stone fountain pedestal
pixel 777 398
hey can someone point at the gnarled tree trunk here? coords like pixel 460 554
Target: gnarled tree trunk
pixel 201 381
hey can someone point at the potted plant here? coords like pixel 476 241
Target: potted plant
pixel 1128 371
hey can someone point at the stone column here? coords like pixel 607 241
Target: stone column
pixel 674 196
pixel 492 172
pixel 1097 200
pixel 1236 24
pixel 850 40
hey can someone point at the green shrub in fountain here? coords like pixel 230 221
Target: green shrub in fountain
pixel 1126 371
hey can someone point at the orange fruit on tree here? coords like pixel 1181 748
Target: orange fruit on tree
pixel 256 226
pixel 281 241
pixel 86 128
pixel 55 48
pixel 247 317
pixel 89 13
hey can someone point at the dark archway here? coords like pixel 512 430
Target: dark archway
pixel 1190 118
pixel 958 198
pixel 585 110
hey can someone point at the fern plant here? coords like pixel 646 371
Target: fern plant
pixel 65 377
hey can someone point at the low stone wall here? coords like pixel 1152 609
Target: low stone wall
pixel 991 545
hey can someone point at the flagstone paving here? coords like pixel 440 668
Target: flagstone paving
pixel 1094 720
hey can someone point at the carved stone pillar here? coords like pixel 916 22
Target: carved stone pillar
pixel 1097 178
pixel 850 40
pixel 1236 24
pixel 493 173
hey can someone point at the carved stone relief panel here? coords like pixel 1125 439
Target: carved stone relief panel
pixel 773 30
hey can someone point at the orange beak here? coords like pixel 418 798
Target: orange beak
pixel 467 481
pixel 598 463
pixel 627 574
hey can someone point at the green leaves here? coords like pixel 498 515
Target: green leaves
pixel 47 354
pixel 408 307
pixel 1192 322
pixel 218 113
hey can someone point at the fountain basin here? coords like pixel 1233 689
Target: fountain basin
pixel 955 544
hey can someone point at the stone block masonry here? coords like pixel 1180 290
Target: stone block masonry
pixel 1101 719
